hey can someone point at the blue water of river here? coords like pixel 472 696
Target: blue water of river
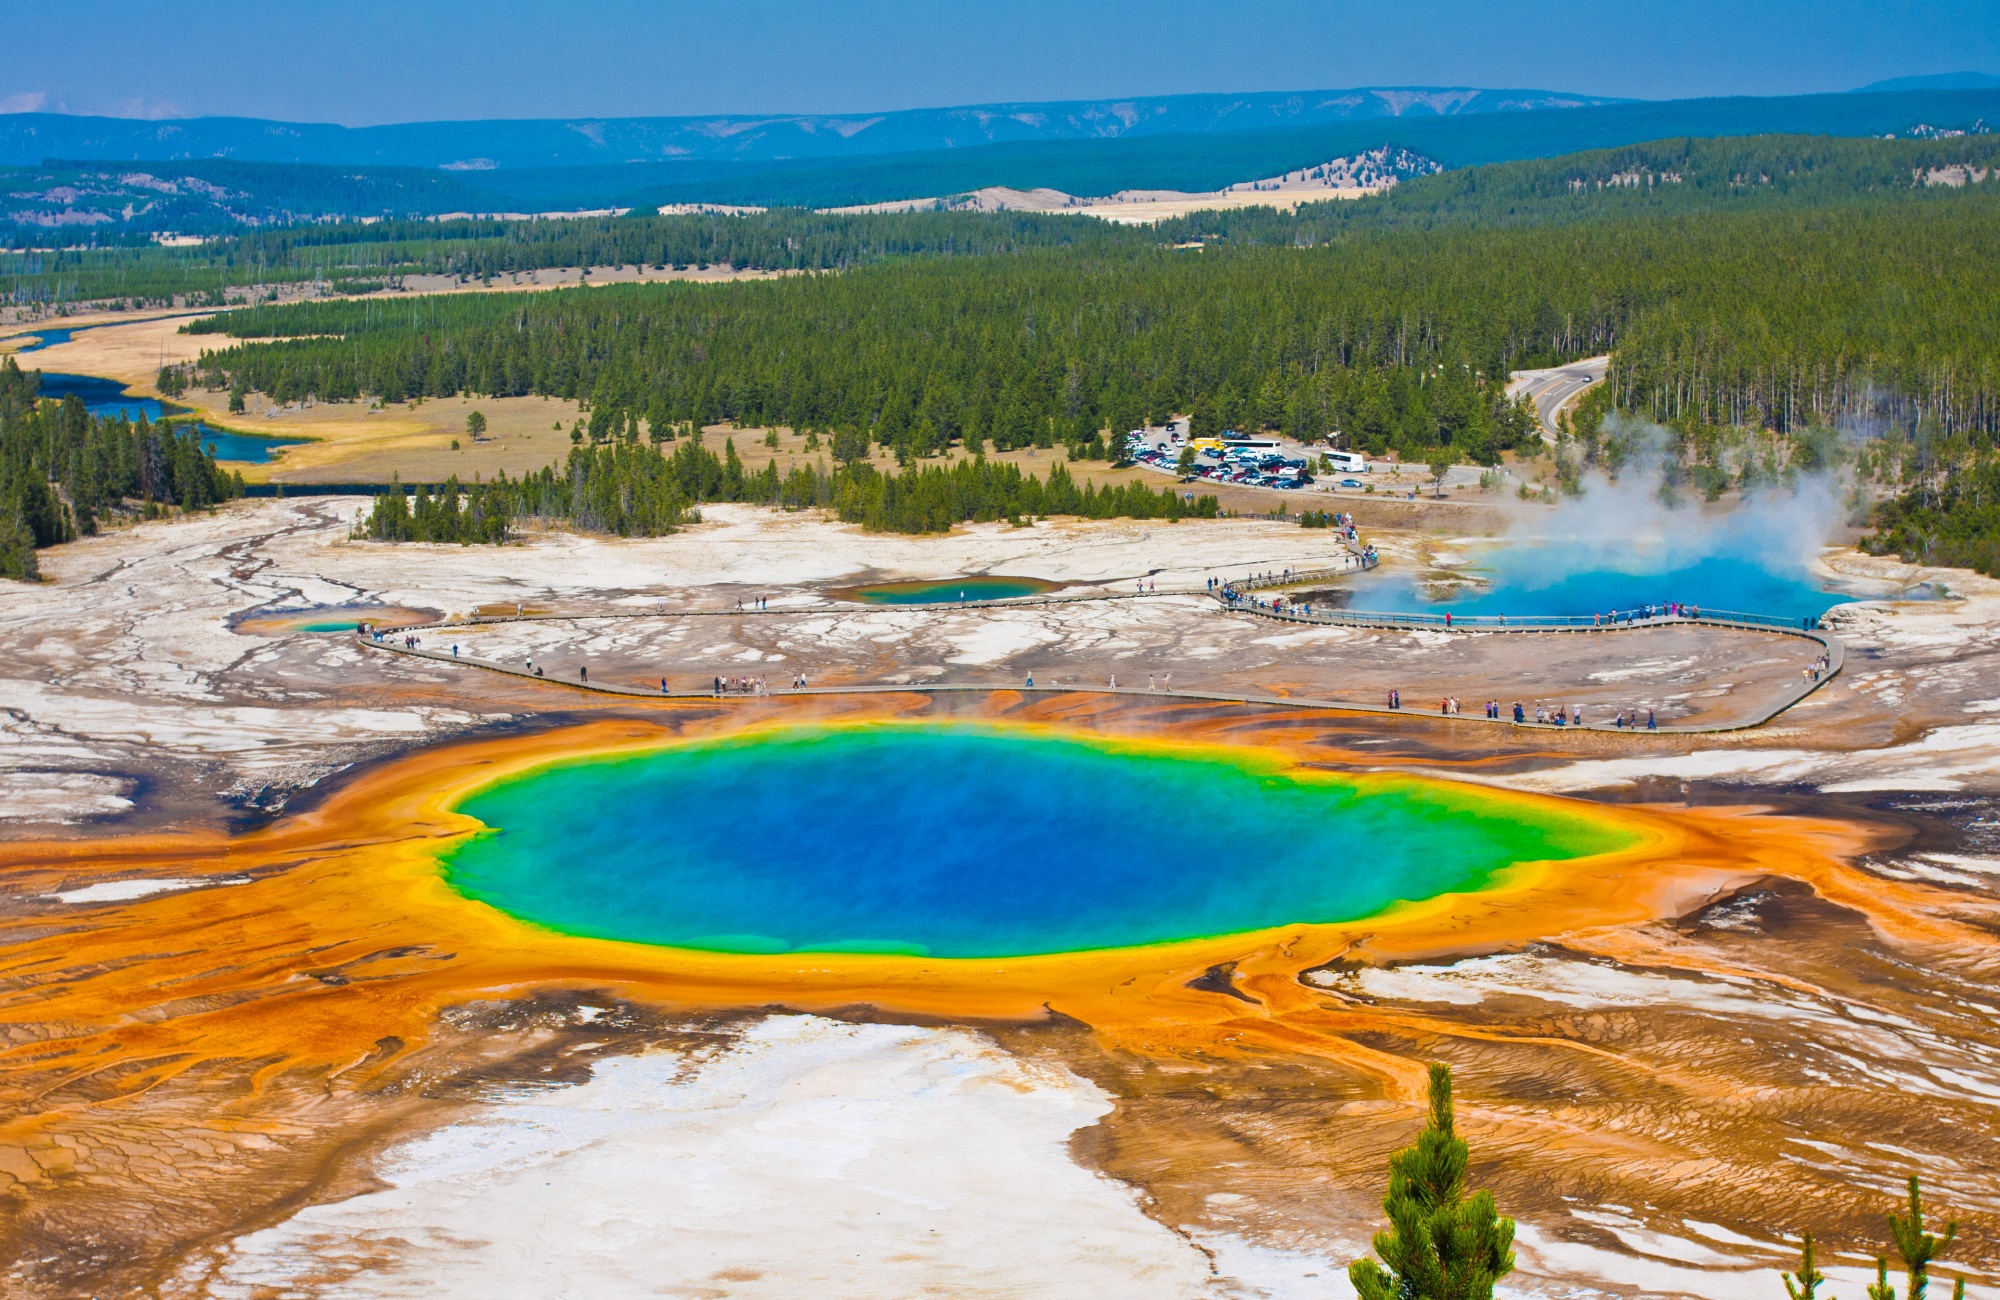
pixel 48 338
pixel 101 397
pixel 243 448
pixel 107 398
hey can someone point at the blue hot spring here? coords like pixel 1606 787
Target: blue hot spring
pixel 964 841
pixel 1620 551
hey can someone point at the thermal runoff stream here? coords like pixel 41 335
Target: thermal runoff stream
pixel 964 841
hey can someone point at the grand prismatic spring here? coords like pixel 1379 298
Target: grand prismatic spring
pixel 955 842
pixel 662 859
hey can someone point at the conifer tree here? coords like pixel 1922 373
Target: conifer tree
pixel 1441 1244
pixel 1917 1247
pixel 1802 1285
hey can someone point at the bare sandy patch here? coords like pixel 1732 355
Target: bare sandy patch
pixel 419 442
pixel 1342 178
pixel 131 351
pixel 1130 207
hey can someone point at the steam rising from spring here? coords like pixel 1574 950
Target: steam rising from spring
pixel 1642 522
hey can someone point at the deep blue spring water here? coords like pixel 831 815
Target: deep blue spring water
pixel 959 841
pixel 1559 580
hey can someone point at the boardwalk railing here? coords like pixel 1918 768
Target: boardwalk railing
pixel 1230 593
pixel 1355 562
pixel 1231 597
pixel 1513 622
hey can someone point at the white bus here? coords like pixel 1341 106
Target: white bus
pixel 1348 462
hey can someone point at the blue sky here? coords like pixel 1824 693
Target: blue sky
pixel 369 61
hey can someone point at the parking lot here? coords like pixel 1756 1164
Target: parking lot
pixel 1272 461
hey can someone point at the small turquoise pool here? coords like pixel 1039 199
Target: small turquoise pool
pixel 960 841
pixel 946 591
pixel 328 618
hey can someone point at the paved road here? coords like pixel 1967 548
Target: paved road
pixel 1551 389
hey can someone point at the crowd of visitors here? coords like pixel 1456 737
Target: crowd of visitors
pixel 1561 715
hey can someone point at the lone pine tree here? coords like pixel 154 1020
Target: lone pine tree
pixel 1917 1248
pixel 1803 1284
pixel 1441 1244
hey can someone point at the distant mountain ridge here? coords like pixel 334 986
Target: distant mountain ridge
pixel 1936 81
pixel 29 139
pixel 114 201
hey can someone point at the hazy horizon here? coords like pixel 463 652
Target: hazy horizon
pixel 367 63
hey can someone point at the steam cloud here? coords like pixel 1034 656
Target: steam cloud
pixel 1631 525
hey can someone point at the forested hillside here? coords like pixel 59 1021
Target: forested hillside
pixel 1031 349
pixel 361 258
pixel 1662 177
pixel 1397 338
pixel 1211 161
pixel 1671 177
pixel 86 203
pixel 1781 283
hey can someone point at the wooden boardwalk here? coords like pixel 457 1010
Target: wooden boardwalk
pixel 1835 654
